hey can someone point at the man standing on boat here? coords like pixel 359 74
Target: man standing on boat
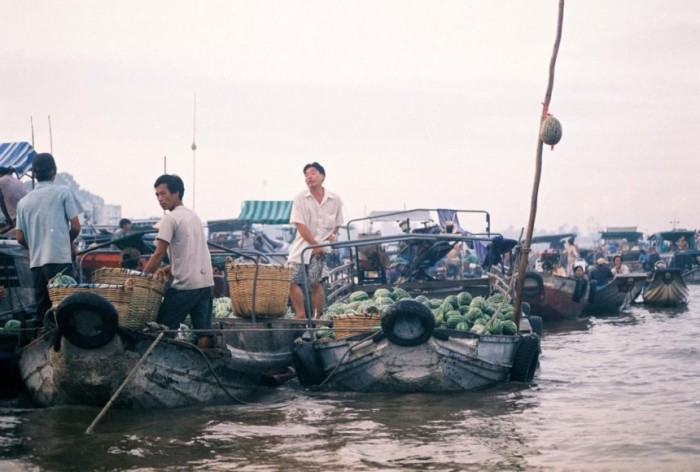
pixel 47 225
pixel 181 237
pixel 317 215
pixel 11 192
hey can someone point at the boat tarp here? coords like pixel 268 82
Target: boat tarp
pixel 631 236
pixel 18 155
pixel 398 215
pixel 227 226
pixel 674 236
pixel 267 212
pixel 555 240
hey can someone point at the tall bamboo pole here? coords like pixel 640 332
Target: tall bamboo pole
pixel 525 250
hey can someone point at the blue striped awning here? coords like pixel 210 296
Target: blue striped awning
pixel 268 212
pixel 18 155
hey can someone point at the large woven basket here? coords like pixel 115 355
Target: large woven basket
pixel 117 295
pixel 345 326
pixel 146 294
pixel 271 289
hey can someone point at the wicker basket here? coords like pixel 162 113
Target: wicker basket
pixel 345 326
pixel 146 294
pixel 271 289
pixel 117 295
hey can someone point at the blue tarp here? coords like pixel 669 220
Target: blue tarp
pixel 18 155
pixel 267 212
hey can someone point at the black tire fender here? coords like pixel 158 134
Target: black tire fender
pixel 307 365
pixel 534 288
pixel 526 358
pixel 87 320
pixel 580 290
pixel 408 323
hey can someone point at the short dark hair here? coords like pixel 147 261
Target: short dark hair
pixel 124 221
pixel 316 166
pixel 173 182
pixel 44 166
pixel 617 256
pixel 6 170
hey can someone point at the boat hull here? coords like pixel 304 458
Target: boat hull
pixel 174 374
pixel 438 365
pixel 558 298
pixel 667 288
pixel 615 295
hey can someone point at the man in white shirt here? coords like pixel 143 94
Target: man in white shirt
pixel 317 215
pixel 618 267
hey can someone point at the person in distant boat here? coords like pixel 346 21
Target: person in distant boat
pixel 580 271
pixel 12 190
pixel 317 215
pixel 618 267
pixel 181 237
pixel 601 273
pixel 682 244
pixel 47 224
pixel 124 228
pixel 572 255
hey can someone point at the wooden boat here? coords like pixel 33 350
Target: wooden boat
pixel 615 295
pixel 406 351
pixel 687 259
pixel 87 362
pixel 666 288
pixel 554 297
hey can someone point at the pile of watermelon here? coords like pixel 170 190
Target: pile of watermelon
pixel 461 312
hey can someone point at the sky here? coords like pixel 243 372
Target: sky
pixel 407 104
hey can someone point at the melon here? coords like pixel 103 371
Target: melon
pixel 550 130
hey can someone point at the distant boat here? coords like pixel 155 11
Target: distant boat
pixel 616 294
pixel 666 288
pixel 553 297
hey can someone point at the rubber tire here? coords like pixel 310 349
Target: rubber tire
pixel 82 304
pixel 536 325
pixel 538 290
pixel 307 365
pixel 580 290
pixel 526 358
pixel 408 312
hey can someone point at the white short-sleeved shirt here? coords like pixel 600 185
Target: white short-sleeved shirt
pixel 321 219
pixel 189 256
pixel 43 216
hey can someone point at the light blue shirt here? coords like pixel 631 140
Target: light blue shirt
pixel 43 215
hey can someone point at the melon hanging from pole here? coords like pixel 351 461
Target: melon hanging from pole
pixel 550 130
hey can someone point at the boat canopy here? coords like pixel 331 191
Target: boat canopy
pixel 268 212
pixel 18 155
pixel 631 236
pixel 556 241
pixel 227 226
pixel 674 236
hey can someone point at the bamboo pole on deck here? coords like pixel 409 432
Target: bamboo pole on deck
pixel 525 250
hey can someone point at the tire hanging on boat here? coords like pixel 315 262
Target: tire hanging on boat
pixel 307 365
pixel 87 320
pixel 408 323
pixel 536 325
pixel 526 358
pixel 528 289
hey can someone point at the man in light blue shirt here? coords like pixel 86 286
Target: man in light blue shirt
pixel 47 225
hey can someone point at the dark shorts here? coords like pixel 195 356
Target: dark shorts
pixel 314 270
pixel 177 304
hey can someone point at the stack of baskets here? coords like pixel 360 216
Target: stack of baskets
pixel 269 283
pixel 345 326
pixel 117 294
pixel 145 294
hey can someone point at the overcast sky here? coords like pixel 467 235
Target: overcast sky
pixel 406 103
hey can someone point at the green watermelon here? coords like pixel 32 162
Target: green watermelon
pixel 453 320
pixel 384 301
pixel 462 326
pixel 464 298
pixel 474 314
pixel 12 326
pixel 452 300
pixel 400 294
pixel 435 303
pixel 464 309
pixel 382 292
pixel 478 329
pixel 509 327
pixel 358 296
pixel 496 327
pixel 478 302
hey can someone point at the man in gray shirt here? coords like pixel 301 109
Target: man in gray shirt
pixel 47 225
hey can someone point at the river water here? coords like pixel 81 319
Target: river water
pixel 612 393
